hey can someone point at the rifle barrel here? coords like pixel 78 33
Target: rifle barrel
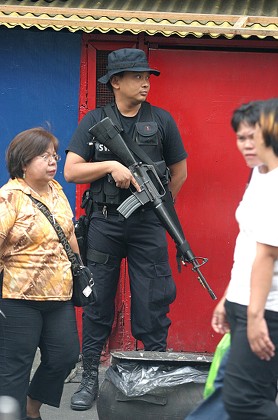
pixel 204 283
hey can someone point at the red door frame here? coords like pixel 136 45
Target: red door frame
pixel 121 337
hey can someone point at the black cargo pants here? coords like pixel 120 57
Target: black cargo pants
pixel 142 239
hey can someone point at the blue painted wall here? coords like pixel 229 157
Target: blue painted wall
pixel 39 86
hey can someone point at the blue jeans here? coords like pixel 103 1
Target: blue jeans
pixel 213 406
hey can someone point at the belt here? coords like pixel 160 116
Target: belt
pixel 104 208
pixel 112 208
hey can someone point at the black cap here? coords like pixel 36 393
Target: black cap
pixel 126 59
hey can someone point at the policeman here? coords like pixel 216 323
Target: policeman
pixel 140 238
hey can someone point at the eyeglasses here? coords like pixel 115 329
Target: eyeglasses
pixel 48 158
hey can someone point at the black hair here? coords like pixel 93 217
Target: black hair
pixel 25 146
pixel 108 84
pixel 248 113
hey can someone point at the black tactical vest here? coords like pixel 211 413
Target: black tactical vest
pixel 146 135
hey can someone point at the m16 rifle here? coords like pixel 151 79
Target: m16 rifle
pixel 152 191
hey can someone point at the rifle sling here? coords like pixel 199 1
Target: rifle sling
pixel 132 145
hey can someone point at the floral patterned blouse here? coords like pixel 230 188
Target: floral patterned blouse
pixel 35 264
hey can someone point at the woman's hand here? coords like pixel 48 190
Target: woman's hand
pixel 258 337
pixel 219 322
pixel 261 281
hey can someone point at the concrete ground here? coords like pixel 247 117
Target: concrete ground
pixel 65 412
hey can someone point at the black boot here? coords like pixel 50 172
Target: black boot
pixel 87 391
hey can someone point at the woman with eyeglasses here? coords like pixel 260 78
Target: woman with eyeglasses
pixel 36 289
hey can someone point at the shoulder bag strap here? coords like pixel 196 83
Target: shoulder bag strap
pixel 62 237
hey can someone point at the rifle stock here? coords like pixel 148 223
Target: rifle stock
pixel 152 191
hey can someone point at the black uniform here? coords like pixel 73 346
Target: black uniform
pixel 141 238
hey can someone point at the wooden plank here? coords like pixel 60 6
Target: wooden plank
pixel 89 25
pixel 104 20
pixel 241 22
pixel 84 12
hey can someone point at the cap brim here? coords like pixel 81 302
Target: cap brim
pixel 105 79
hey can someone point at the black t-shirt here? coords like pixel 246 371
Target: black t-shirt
pixel 173 149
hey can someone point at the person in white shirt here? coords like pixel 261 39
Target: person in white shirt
pixel 250 382
pixel 243 123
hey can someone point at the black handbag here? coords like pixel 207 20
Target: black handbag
pixel 83 291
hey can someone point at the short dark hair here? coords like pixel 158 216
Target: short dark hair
pixel 248 113
pixel 26 146
pixel 269 123
pixel 120 75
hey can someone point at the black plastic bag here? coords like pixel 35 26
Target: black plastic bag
pixel 135 379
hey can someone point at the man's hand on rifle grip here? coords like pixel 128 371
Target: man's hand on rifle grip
pixel 123 176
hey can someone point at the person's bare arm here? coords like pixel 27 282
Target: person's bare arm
pixel 261 280
pixel 74 244
pixel 219 321
pixel 178 173
pixel 79 171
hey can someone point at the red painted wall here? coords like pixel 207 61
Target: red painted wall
pixel 200 89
